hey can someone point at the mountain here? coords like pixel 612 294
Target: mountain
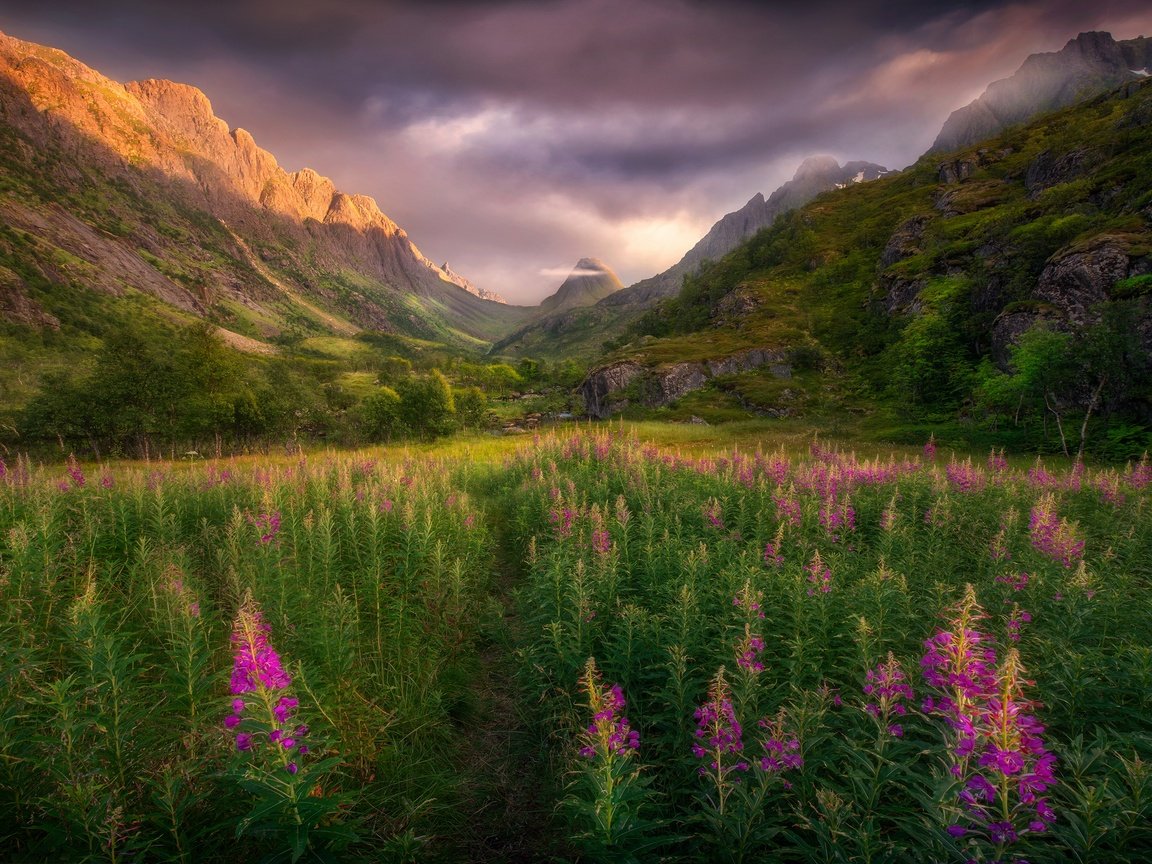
pixel 816 174
pixel 582 331
pixel 911 296
pixel 591 280
pixel 456 279
pixel 109 191
pixel 1091 63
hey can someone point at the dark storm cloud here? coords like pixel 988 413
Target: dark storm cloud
pixel 513 137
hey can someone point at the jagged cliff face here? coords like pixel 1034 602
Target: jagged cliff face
pixel 1091 63
pixel 590 281
pixel 815 175
pixel 283 236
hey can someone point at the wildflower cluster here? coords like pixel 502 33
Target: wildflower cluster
pixel 887 686
pixel 837 516
pixel 787 506
pixel 781 747
pixel 774 549
pixel 748 651
pixel 268 524
pixel 1053 536
pixel 997 753
pixel 1015 581
pixel 964 476
pixel 719 736
pixel 609 734
pixel 257 670
pixel 819 576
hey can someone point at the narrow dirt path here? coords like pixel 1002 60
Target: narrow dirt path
pixel 506 789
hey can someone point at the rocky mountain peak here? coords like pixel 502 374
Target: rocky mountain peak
pixel 815 174
pixel 816 166
pixel 455 278
pixel 164 136
pixel 1091 63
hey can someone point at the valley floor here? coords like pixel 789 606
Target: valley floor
pixel 607 642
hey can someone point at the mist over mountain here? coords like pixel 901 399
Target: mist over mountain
pixel 591 280
pixel 816 174
pixel 1090 63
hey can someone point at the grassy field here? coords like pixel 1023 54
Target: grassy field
pixel 644 642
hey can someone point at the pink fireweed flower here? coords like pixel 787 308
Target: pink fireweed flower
pixel 748 650
pixel 563 520
pixel 1055 537
pixel 819 576
pixel 712 514
pixel 268 524
pixel 258 671
pixel 997 464
pixel 255 665
pixel 719 737
pixel 75 472
pixel 774 550
pixel 930 448
pixel 609 734
pixel 601 542
pixel 1017 620
pixel 964 477
pixel 781 746
pixel 959 664
pixel 887 687
pixel 752 602
pixel 787 506
pixel 1141 475
pixel 1002 795
pixel 837 516
pixel 1015 581
pixel 890 514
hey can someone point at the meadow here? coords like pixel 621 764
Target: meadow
pixel 595 644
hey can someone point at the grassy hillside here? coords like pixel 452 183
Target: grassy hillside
pixel 902 299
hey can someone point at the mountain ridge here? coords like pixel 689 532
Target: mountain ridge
pixel 1092 62
pixel 159 143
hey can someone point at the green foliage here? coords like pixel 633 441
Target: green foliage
pixel 427 407
pixel 382 415
pixel 911 328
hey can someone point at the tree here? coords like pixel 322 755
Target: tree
pixel 471 407
pixel 426 405
pixel 381 415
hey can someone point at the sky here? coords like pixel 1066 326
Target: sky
pixel 513 137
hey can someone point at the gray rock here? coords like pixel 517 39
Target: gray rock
pixel 907 240
pixel 603 388
pixel 1077 280
pixel 606 382
pixel 1049 169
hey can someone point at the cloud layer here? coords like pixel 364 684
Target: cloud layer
pixel 513 138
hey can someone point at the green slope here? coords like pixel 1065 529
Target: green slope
pixel 897 290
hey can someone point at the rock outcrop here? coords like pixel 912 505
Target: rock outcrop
pixel 607 389
pixel 1080 278
pixel 1089 64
